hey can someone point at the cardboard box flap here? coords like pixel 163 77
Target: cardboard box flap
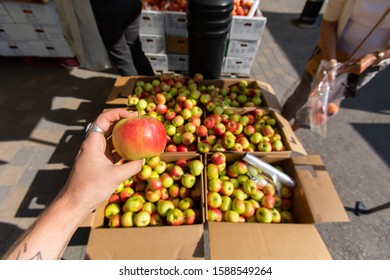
pixel 292 140
pixel 159 243
pixel 120 91
pixel 266 241
pixel 270 96
pixel 320 192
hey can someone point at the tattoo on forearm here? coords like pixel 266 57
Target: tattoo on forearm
pixel 37 256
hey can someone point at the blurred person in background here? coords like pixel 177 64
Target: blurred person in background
pixel 343 38
pixel 94 177
pixel 118 22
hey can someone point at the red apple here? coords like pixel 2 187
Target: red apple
pixel 189 216
pixel 218 158
pixel 114 221
pixel 156 219
pixel 268 201
pixel 138 138
pixel 214 215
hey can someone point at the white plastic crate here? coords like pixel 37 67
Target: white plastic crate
pixel 237 65
pixel 153 43
pixel 242 48
pixel 51 49
pixel 41 32
pixel 10 32
pixel 14 48
pixel 29 12
pixel 152 22
pixel 247 28
pixel 4 15
pixel 176 23
pixel 178 62
pixel 159 62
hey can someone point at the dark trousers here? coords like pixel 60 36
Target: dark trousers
pixel 118 25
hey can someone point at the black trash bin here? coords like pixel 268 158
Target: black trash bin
pixel 208 25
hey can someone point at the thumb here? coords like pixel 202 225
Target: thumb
pixel 127 170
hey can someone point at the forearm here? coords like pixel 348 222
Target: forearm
pixel 49 235
pixel 328 40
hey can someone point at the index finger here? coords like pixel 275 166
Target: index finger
pixel 106 119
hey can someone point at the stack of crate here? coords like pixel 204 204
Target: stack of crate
pixel 29 28
pixel 243 44
pixel 164 40
pixel 152 36
pixel 176 35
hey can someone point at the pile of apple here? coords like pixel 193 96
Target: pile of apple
pixel 232 196
pixel 254 131
pixel 175 102
pixel 242 7
pixel 154 5
pixel 162 193
pixel 177 5
pixel 180 104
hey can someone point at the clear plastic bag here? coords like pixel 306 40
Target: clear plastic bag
pixel 264 173
pixel 327 92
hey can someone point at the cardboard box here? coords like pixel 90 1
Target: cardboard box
pixel 177 44
pixel 29 11
pixel 10 32
pixel 41 32
pixel 242 48
pixel 153 44
pixel 4 15
pixel 248 28
pixel 16 48
pixel 159 62
pixel 178 62
pixel 290 141
pixel 185 242
pixel 176 23
pixel 152 22
pixel 237 66
pixel 315 200
pixel 124 87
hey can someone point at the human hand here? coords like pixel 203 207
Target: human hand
pixel 95 176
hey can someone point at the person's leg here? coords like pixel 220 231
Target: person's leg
pixel 298 98
pixel 109 18
pixel 140 61
pixel 122 58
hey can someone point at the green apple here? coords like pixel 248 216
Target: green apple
pixel 112 209
pixel 164 206
pixel 226 203
pixel 175 217
pixel 142 219
pixel 263 215
pixel 127 219
pixel 238 206
pixel 231 216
